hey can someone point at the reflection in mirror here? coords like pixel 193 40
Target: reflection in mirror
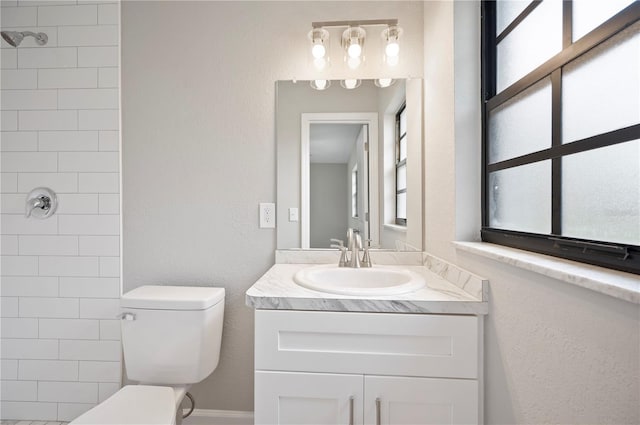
pixel 338 164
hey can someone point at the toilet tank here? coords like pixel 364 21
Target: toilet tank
pixel 171 334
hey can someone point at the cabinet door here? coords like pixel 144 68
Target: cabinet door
pixel 425 401
pixel 307 398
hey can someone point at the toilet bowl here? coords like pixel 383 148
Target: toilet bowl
pixel 171 339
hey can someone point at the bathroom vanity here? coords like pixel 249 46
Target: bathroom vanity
pixel 323 358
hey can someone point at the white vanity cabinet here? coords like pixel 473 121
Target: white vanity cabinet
pixel 321 367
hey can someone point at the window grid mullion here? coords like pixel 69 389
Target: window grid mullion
pixel 556 163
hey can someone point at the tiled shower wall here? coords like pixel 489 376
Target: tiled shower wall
pixel 60 276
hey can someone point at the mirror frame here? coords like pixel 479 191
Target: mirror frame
pixel 367 118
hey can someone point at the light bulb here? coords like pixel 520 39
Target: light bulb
pixel 392 49
pixel 350 84
pixel 354 50
pixel 321 84
pixel 384 82
pixel 318 50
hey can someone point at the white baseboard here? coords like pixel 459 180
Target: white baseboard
pixel 219 417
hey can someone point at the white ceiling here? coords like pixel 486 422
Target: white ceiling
pixel 332 143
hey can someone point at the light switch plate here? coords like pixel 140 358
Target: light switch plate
pixel 267 215
pixel 293 214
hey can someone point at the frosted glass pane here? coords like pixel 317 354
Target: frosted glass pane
pixel 588 14
pixel 601 194
pixel 401 205
pixel 403 148
pixel 520 198
pixel 401 176
pixel 507 11
pixel 601 89
pixel 530 44
pixel 522 125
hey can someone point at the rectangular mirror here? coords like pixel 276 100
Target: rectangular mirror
pixel 349 158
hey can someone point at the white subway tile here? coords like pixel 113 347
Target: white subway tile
pixel 90 287
pixel 87 99
pixel 19 141
pixel 19 390
pixel 50 57
pixel 98 56
pixel 9 120
pixel 100 245
pixel 89 225
pixel 29 410
pixel 90 350
pixel 48 370
pixel 102 35
pixel 101 119
pixel 99 183
pixel 19 17
pixel 56 308
pixel 19 79
pixel 67 15
pixel 69 329
pixel 67 78
pixel 8 182
pixel 106 390
pixel 48 245
pixel 29 99
pixel 100 371
pixel 16 265
pixel 9 368
pixel 110 266
pixel 109 203
pixel 89 161
pixel 58 182
pixel 12 203
pixel 99 308
pixel 9 58
pixel 68 141
pixel 48 120
pixel 110 330
pixel 9 243
pixel 78 203
pixel 67 412
pixel 29 286
pixel 71 392
pixel 18 224
pixel 69 266
pixel 108 14
pixel 9 305
pixel 19 328
pixel 41 349
pixel 109 140
pixel 29 161
pixel 108 77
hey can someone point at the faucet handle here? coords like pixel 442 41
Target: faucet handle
pixel 337 243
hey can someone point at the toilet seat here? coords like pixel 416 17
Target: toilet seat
pixel 134 405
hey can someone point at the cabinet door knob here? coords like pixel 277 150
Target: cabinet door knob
pixel 351 410
pixel 378 402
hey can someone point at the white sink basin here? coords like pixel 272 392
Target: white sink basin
pixel 377 280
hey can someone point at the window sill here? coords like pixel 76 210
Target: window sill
pixel 621 285
pixel 396 228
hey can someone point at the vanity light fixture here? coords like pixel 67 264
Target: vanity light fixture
pixel 383 82
pixel 350 84
pixel 320 84
pixel 319 47
pixel 353 40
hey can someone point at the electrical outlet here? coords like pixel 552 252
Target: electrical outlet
pixel 267 215
pixel 293 214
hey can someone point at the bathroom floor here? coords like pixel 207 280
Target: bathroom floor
pixel 32 423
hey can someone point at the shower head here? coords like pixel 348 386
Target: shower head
pixel 14 38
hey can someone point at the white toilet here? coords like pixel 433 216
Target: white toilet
pixel 171 339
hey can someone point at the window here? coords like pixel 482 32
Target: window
pixel 401 166
pixel 561 129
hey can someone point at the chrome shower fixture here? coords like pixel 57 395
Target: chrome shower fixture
pixel 14 38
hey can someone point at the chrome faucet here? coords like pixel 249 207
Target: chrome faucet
pixel 354 246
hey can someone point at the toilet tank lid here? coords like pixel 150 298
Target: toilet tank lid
pixel 155 297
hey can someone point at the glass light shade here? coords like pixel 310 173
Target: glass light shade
pixel 391 44
pixel 350 84
pixel 384 82
pixel 320 63
pixel 320 84
pixel 319 38
pixel 353 43
pixel 354 63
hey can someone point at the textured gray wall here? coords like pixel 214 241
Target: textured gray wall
pixel 329 187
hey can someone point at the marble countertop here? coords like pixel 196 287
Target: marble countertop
pixel 276 290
